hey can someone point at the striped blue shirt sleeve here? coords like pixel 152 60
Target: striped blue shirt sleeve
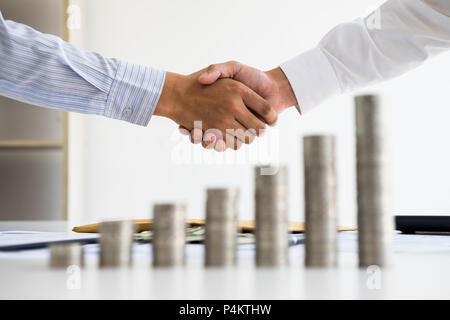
pixel 43 70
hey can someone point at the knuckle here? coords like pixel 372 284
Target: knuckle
pixel 225 127
pixel 211 67
pixel 233 63
pixel 266 109
pixel 234 106
pixel 252 132
pixel 235 86
pixel 240 87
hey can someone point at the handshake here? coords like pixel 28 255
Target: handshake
pixel 225 105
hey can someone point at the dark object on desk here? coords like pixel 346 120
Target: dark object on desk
pixel 414 224
pixel 20 240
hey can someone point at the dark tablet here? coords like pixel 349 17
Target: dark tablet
pixel 413 224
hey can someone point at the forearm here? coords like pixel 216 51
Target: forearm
pixel 394 39
pixel 43 70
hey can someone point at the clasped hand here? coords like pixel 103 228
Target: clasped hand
pixel 225 105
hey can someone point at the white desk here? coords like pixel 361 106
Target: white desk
pixel 25 275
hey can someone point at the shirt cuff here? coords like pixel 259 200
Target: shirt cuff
pixel 134 93
pixel 312 78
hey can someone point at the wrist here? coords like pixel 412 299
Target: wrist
pixel 168 104
pixel 286 96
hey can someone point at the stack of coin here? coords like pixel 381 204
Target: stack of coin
pixel 375 222
pixel 63 255
pixel 320 201
pixel 221 227
pixel 169 235
pixel 271 227
pixel 116 242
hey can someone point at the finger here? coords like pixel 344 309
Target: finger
pixel 237 144
pixel 260 132
pixel 240 132
pixel 209 139
pixel 184 131
pixel 220 70
pixel 259 105
pixel 191 137
pixel 249 120
pixel 196 135
pixel 233 143
pixel 220 146
pixel 209 146
pixel 245 134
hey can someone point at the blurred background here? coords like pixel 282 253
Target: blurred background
pixel 87 168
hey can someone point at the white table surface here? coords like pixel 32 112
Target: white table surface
pixel 26 275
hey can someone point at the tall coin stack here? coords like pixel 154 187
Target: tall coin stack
pixel 320 201
pixel 375 223
pixel 116 243
pixel 221 227
pixel 271 226
pixel 169 235
pixel 63 255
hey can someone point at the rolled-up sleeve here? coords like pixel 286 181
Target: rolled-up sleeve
pixel 43 70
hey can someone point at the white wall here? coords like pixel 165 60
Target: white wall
pixel 125 168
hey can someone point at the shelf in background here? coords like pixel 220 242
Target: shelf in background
pixel 31 144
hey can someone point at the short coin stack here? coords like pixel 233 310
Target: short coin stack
pixel 320 201
pixel 375 222
pixel 169 235
pixel 116 242
pixel 271 227
pixel 63 255
pixel 221 227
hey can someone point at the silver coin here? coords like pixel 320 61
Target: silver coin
pixel 63 255
pixel 221 227
pixel 375 222
pixel 320 201
pixel 169 235
pixel 116 241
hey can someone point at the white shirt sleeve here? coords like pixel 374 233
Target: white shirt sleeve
pixel 395 38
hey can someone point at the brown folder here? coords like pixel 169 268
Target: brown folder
pixel 244 225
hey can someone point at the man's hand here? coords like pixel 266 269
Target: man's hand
pixel 225 108
pixel 272 85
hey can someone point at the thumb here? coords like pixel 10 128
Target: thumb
pixel 218 71
pixel 209 77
